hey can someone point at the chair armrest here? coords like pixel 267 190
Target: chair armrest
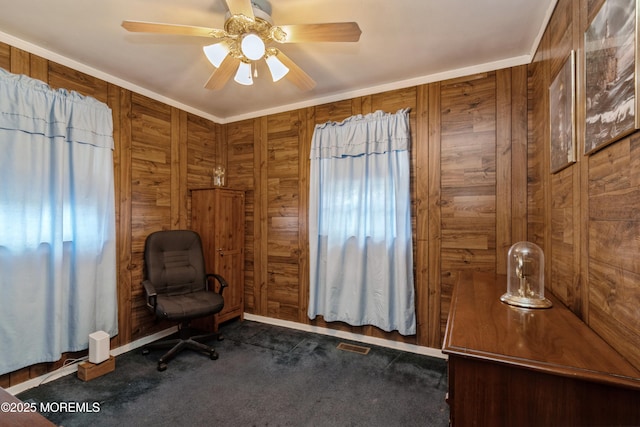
pixel 152 296
pixel 220 279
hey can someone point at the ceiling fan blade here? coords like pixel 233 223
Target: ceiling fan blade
pixel 296 75
pixel 182 30
pixel 242 7
pixel 330 32
pixel 220 76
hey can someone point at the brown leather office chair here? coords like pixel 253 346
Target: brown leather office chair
pixel 178 288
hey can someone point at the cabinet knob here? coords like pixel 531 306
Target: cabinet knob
pixel 220 250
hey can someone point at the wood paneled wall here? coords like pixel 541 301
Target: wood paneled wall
pixel 468 178
pixel 585 216
pixel 468 183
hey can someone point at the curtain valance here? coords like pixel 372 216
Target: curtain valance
pixel 374 133
pixel 31 106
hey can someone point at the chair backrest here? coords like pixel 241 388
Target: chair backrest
pixel 174 262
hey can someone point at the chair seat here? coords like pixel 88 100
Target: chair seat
pixel 192 305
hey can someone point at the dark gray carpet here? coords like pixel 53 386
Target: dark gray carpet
pixel 265 376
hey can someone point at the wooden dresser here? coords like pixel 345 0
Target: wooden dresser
pixel 15 413
pixel 217 214
pixel 540 367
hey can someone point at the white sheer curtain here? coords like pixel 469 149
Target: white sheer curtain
pixel 361 262
pixel 57 222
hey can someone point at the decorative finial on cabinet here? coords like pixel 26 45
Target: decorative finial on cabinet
pixel 218 176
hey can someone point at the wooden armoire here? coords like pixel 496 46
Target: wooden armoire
pixel 217 214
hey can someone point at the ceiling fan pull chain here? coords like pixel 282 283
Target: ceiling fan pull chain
pixel 255 70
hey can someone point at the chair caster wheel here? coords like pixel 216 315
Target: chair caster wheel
pixel 145 351
pixel 162 366
pixel 213 355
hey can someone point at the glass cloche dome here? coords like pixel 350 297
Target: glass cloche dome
pixel 525 280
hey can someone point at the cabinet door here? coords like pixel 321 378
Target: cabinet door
pixel 203 221
pixel 229 251
pixel 217 214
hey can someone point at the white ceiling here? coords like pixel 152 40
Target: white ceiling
pixel 403 43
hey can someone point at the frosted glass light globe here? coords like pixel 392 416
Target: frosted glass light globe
pixel 252 47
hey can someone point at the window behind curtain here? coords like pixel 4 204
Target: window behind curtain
pixel 57 222
pixel 361 265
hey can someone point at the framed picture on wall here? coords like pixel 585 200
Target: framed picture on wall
pixel 611 74
pixel 562 103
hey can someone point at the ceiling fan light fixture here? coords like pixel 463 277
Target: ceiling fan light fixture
pixel 276 67
pixel 252 46
pixel 216 53
pixel 248 30
pixel 243 75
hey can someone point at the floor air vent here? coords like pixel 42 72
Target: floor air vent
pixel 353 348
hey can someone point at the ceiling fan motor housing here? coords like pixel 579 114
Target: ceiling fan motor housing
pixel 238 26
pixel 262 5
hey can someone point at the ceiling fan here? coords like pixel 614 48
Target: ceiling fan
pixel 247 37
